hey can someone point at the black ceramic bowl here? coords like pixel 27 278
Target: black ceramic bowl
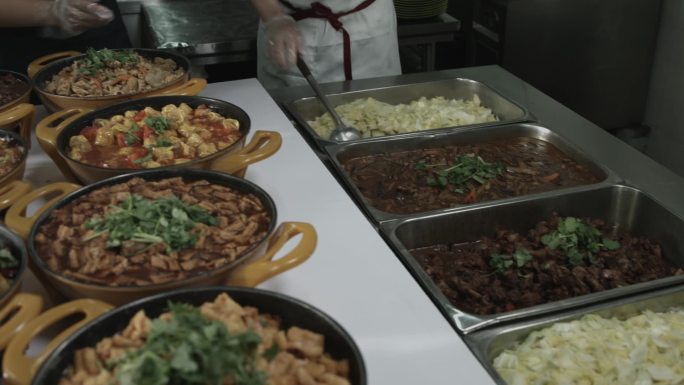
pixel 55 138
pixel 292 312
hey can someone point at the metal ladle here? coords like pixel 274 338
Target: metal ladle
pixel 341 133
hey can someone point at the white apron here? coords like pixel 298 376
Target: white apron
pixel 374 46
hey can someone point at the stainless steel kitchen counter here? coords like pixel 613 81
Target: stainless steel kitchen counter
pixel 635 168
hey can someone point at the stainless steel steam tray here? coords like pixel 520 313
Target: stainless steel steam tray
pixel 308 109
pixel 341 153
pixel 622 208
pixel 487 344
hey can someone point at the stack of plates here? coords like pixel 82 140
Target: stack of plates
pixel 419 9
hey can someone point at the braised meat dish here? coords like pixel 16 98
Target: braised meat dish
pixel 11 154
pixel 11 88
pixel 113 72
pixel 145 232
pixel 219 342
pixel 433 178
pixel 557 259
pixel 150 138
pixel 9 267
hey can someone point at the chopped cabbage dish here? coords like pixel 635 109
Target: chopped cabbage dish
pixel 645 349
pixel 374 118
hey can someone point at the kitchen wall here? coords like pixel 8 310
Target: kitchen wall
pixel 665 106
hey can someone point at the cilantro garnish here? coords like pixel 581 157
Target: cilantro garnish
pixel 501 262
pixel 144 158
pixel 96 60
pixel 163 142
pixel 190 349
pixel 7 260
pixel 577 240
pixel 158 123
pixel 164 220
pixel 465 168
pixel 271 352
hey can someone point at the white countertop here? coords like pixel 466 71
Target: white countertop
pixel 353 275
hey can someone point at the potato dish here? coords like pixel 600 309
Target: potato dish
pixel 149 138
pixel 113 72
pixel 219 342
pixel 374 118
pixel 643 349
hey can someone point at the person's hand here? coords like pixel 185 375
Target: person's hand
pixel 283 39
pixel 77 16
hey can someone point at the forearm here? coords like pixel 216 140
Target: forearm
pixel 27 13
pixel 267 9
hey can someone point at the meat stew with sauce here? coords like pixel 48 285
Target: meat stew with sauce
pixel 559 258
pixel 412 181
pixel 11 88
pixel 141 232
pixel 150 138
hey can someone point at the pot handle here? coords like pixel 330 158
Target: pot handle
pixel 12 191
pixel 191 87
pixel 16 218
pixel 47 133
pixel 263 145
pixel 42 61
pixel 27 307
pixel 19 369
pixel 22 113
pixel 254 273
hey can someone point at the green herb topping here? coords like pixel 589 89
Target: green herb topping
pixel 190 349
pixel 501 262
pixel 578 239
pixel 465 168
pixel 158 123
pixel 7 260
pixel 96 60
pixel 164 220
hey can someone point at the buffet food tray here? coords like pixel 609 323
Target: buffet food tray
pixel 340 153
pixel 307 109
pixel 621 207
pixel 489 343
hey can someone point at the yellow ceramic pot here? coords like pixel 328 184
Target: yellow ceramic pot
pixel 42 69
pixel 54 133
pixel 255 265
pixel 11 185
pixel 16 309
pixel 18 114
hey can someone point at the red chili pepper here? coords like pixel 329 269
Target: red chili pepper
pixel 147 132
pixel 139 116
pixel 90 133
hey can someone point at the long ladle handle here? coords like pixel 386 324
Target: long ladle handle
pixel 314 84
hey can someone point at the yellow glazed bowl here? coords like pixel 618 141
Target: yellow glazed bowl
pixel 54 132
pixel 17 115
pixel 253 266
pixel 42 69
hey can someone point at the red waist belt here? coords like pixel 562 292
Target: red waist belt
pixel 320 11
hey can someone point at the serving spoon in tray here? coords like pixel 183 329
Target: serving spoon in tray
pixel 342 132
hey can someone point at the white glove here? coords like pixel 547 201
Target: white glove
pixel 284 40
pixel 76 16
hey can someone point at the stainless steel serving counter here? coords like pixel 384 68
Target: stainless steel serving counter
pixel 356 278
pixel 635 168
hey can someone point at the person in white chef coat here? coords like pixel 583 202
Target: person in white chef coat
pixel 338 39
